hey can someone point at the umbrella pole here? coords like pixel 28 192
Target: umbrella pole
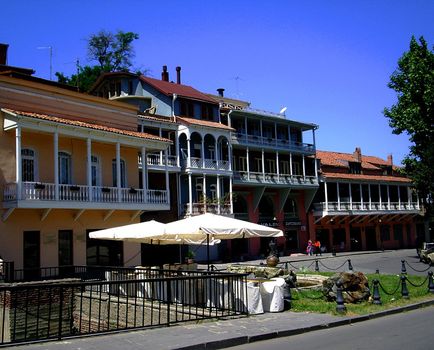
pixel 207 249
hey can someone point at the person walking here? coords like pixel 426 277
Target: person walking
pixel 317 245
pixel 309 249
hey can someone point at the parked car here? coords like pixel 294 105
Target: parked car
pixel 425 246
pixel 430 259
pixel 424 254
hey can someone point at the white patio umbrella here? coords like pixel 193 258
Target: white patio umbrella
pixel 149 232
pixel 217 227
pixel 214 226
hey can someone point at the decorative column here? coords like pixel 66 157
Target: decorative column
pixel 370 197
pixel 118 170
pixel 190 195
pixel 230 156
pixel 89 168
pixel 388 197
pixel 167 175
pixel 379 196
pixel 263 164
pixel 56 164
pixel 218 194
pixel 178 161
pixel 216 154
pixel 339 196
pixel 230 196
pixel 18 163
pixel 277 167
pixel 315 159
pixel 351 195
pixel 326 197
pixel 361 196
pixel 399 197
pixel 248 163
pixel 304 167
pixel 161 152
pixel 290 164
pixel 188 153
pixel 275 133
pixel 204 192
pixel 144 173
pixel 202 152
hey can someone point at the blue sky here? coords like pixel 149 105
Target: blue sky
pixel 327 61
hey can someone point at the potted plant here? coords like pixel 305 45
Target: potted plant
pixel 105 189
pixel 39 186
pixel 132 190
pixel 190 257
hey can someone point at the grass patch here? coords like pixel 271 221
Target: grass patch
pixel 390 292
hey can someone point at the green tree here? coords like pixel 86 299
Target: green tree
pixel 113 52
pixel 413 114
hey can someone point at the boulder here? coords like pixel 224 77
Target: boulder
pixel 355 287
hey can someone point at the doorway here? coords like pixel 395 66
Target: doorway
pixel 32 255
pixel 371 238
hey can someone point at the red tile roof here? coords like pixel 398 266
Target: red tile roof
pixel 338 159
pixel 210 124
pixel 85 125
pixel 181 90
pixel 361 177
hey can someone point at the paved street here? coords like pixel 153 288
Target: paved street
pixel 410 330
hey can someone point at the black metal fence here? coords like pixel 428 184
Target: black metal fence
pixel 96 300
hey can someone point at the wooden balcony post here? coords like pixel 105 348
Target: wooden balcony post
pixel 18 162
pixel 89 168
pixel 56 165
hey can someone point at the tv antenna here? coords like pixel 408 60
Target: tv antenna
pixel 51 58
pixel 237 83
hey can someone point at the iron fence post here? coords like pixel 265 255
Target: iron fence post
pixel 340 306
pixel 430 282
pixel 403 269
pixel 404 289
pixel 350 267
pixel 376 294
pixel 316 265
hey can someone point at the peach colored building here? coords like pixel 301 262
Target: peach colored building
pixel 68 165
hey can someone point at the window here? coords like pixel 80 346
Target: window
pixel 65 168
pixel 242 163
pixel 258 165
pixel 199 189
pixel 28 165
pixel 114 172
pixel 284 167
pixel 103 253
pixel 130 87
pixel 271 163
pixel 355 168
pixel 207 112
pixel 296 168
pixel 95 171
pixel 187 108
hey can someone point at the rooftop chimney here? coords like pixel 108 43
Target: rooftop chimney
pixel 358 154
pixel 3 53
pixel 165 74
pixel 390 159
pixel 178 75
pixel 220 91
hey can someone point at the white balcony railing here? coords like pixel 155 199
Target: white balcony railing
pixel 366 206
pixel 32 191
pixel 201 208
pixel 243 138
pixel 158 160
pixel 210 164
pixel 273 178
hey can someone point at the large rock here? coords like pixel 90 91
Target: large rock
pixel 355 287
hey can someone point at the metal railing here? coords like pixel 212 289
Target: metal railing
pixel 274 178
pixel 211 164
pixel 33 191
pixel 243 138
pixel 366 206
pixel 116 299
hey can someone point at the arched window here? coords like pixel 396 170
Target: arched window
pixel 28 165
pixel 114 172
pixel 65 171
